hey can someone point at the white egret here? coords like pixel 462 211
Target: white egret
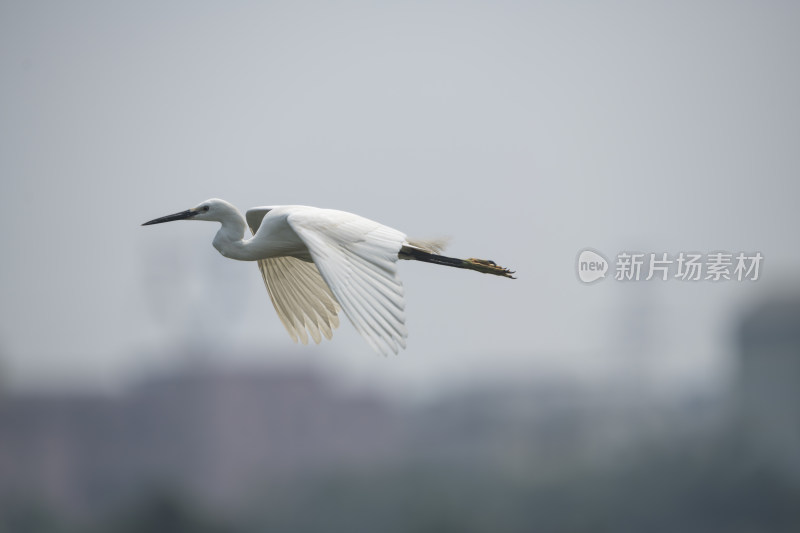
pixel 317 261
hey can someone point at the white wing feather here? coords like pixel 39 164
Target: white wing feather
pixel 357 258
pixel 301 297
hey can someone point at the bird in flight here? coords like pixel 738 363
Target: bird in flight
pixel 316 262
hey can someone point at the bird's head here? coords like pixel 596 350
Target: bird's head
pixel 214 210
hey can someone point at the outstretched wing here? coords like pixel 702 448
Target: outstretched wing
pixel 301 297
pixel 357 258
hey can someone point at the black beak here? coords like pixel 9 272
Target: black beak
pixel 189 213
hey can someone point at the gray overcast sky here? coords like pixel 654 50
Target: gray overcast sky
pixel 526 131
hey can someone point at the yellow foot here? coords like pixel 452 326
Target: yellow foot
pixel 489 267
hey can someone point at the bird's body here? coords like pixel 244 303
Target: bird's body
pixel 317 261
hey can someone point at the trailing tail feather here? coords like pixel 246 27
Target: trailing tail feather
pixel 432 246
pixel 479 265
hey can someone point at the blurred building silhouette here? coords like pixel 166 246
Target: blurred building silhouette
pixel 767 390
pixel 215 436
pixel 209 435
pixel 266 447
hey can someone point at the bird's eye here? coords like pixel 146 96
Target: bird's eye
pixel 205 208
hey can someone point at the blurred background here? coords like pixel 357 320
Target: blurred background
pixel 146 383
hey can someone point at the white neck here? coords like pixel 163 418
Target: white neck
pixel 229 240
